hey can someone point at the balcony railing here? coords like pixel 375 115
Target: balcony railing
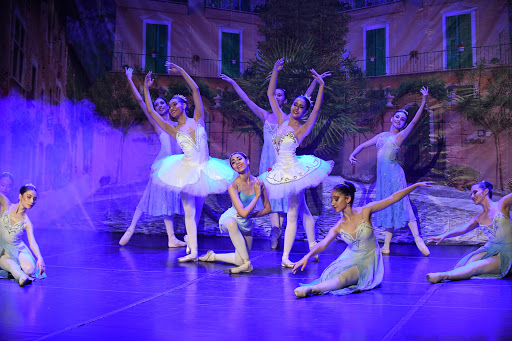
pixel 356 4
pixel 235 5
pixel 195 66
pixel 416 62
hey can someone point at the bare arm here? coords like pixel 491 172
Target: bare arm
pixel 395 197
pixel 169 129
pixel 331 235
pixel 34 246
pixel 237 203
pixel 266 203
pixel 364 145
pixel 261 113
pixel 471 225
pixel 3 204
pixel 138 97
pixel 272 85
pixel 304 131
pixel 401 136
pixel 313 84
pixel 505 203
pixel 198 102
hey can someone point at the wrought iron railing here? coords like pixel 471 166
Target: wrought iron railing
pixel 416 62
pixel 194 65
pixel 235 5
pixel 356 4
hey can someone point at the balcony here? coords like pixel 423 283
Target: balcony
pixel 195 66
pixel 235 5
pixel 416 62
pixel 357 4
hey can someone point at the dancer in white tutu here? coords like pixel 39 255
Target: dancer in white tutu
pixel 291 174
pixel 193 174
pixel 156 200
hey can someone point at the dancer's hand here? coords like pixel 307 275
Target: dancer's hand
pixel 278 66
pixel 436 239
pixel 325 74
pixel 300 264
pixel 226 78
pixel 257 187
pixel 424 92
pixel 173 68
pixel 129 72
pixel 40 265
pixel 148 80
pixel 352 159
pixel 425 184
pixel 317 77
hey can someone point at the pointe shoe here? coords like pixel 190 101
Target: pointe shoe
pixel 25 281
pixel 275 236
pixel 208 257
pixel 126 236
pixel 187 258
pixel 188 247
pixel 286 263
pixel 315 257
pixel 175 242
pixel 421 246
pixel 244 268
pixel 302 292
pixel 435 277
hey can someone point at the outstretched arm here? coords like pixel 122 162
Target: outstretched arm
pixel 395 197
pixel 304 131
pixel 138 97
pixel 313 84
pixel 471 225
pixel 272 85
pixel 400 138
pixel 169 129
pixel 505 203
pixel 198 102
pixel 364 145
pixel 331 235
pixel 261 113
pixel 34 247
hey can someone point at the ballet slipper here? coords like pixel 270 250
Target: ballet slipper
pixel 175 242
pixel 208 257
pixel 315 257
pixel 126 236
pixel 421 246
pixel 286 263
pixel 244 268
pixel 24 281
pixel 302 292
pixel 188 247
pixel 275 237
pixel 435 277
pixel 187 258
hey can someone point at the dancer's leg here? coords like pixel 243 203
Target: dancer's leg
pixel 246 265
pixel 489 266
pixel 172 240
pixel 8 264
pixel 413 226
pixel 276 220
pixel 308 221
pixel 387 241
pixel 27 263
pixel 346 278
pixel 189 206
pixel 241 254
pixel 291 227
pixel 129 232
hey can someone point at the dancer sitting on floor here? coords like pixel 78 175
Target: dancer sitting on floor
pixel 6 180
pixel 360 266
pixel 494 259
pixel 268 155
pixel 157 201
pixel 245 193
pixel 391 176
pixel 291 174
pixel 193 174
pixel 15 257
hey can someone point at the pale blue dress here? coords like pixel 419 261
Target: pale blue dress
pixel 156 200
pixel 11 242
pixel 244 225
pixel 267 160
pixel 499 233
pixel 390 179
pixel 362 251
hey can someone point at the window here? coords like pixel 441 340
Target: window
pixel 18 49
pixel 375 51
pixel 236 5
pixel 230 52
pixel 157 46
pixel 459 42
pixel 354 4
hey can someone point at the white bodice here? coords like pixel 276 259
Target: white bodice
pixel 195 147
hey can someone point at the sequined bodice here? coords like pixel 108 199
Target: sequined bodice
pixel 499 230
pixel 285 146
pixel 364 238
pixel 11 234
pixel 195 150
pixel 387 148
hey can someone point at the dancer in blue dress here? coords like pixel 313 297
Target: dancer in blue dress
pixel 193 174
pixel 15 257
pixel 268 156
pixel 245 192
pixel 360 266
pixel 156 200
pixel 391 176
pixel 494 259
pixel 291 174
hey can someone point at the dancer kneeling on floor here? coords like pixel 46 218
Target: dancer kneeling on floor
pixel 494 259
pixel 245 192
pixel 360 266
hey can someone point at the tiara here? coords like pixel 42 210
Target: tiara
pixel 180 96
pixel 404 111
pixel 307 97
pixel 30 185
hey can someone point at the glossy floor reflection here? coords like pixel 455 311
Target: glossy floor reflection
pixel 96 290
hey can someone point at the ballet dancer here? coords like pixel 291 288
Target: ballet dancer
pixel 391 176
pixel 291 174
pixel 360 266
pixel 245 192
pixel 494 259
pixel 15 257
pixel 193 174
pixel 156 201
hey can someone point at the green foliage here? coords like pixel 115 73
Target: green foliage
pixel 436 88
pixel 461 176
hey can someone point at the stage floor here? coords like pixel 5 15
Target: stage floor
pixel 96 290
